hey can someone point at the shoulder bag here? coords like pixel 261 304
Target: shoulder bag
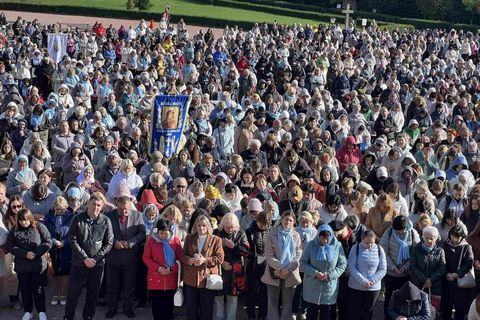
pixel 178 297
pixel 468 280
pixel 214 281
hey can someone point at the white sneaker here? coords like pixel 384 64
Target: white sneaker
pixel 42 316
pixel 27 316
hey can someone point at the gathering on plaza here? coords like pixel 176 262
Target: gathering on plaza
pixel 279 172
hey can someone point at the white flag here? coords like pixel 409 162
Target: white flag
pixel 57 46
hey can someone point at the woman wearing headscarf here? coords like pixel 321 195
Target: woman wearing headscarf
pixel 161 251
pixel 427 263
pixel 202 254
pixel 21 178
pixel 127 175
pixel 235 247
pixel 396 242
pixel 367 264
pixel 323 262
pixel 73 163
pixel 283 249
pixel 86 180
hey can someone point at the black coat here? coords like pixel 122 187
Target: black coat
pixel 90 239
pixel 23 240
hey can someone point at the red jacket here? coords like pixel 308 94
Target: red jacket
pixel 153 258
pixel 346 157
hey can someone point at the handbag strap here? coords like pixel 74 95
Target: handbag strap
pixel 179 273
pixel 461 257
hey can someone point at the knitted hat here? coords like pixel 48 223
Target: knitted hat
pixel 212 193
pixel 123 191
pixel 255 205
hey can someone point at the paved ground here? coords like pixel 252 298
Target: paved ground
pixel 46 18
pixel 56 312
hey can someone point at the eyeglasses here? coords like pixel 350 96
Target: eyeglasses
pixel 181 187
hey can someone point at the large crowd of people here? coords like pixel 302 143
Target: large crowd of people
pixel 320 170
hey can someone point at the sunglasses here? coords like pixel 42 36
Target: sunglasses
pixel 181 187
pixel 17 206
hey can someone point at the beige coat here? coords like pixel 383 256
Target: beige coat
pixel 378 225
pixel 272 255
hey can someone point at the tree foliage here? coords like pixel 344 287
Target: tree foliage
pixel 434 9
pixel 140 4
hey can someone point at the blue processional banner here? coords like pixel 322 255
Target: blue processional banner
pixel 168 120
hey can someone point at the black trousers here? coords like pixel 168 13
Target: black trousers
pixel 32 287
pixel 392 284
pixel 199 303
pixel 92 279
pixel 327 311
pixel 121 274
pixel 162 304
pixel 141 278
pixel 299 306
pixel 343 298
pixel 362 304
pixel 256 292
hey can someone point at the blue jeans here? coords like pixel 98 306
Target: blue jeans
pixel 226 310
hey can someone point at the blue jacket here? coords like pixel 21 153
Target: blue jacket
pixel 366 265
pixel 316 291
pixel 61 257
pixel 459 160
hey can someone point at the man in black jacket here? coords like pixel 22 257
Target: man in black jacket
pixel 91 238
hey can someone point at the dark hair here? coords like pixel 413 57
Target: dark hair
pixel 13 198
pixel 163 225
pixel 264 217
pixel 307 188
pixel 423 205
pixel 39 190
pixel 456 231
pixel 368 234
pixel 324 233
pixel 230 187
pixel 25 214
pixel 48 172
pixel 449 213
pixel 393 188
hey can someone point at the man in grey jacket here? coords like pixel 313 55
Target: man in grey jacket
pixel 91 238
pixel 129 233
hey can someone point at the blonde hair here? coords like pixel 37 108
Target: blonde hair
pixel 305 215
pixel 125 164
pixel 172 209
pixel 229 218
pixel 204 219
pixel 60 202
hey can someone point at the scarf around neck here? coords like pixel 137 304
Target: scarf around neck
pixel 286 245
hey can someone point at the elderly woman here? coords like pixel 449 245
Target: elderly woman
pixel 396 242
pixel 427 263
pixel 182 166
pixel 202 255
pixel 73 163
pixel 161 251
pixel 39 157
pixel 87 181
pixel 235 247
pixel 323 262
pixel 21 178
pixel 367 265
pixel 459 261
pixel 283 249
pixel 127 175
